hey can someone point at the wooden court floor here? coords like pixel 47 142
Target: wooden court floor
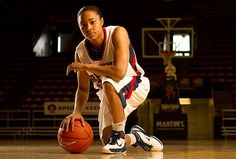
pixel 173 149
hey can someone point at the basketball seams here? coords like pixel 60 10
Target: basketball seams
pixel 90 130
pixel 68 137
pixel 76 141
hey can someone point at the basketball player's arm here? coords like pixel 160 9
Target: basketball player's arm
pixel 81 97
pixel 116 71
pixel 82 92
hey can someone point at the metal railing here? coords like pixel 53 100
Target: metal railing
pixel 228 122
pixel 22 123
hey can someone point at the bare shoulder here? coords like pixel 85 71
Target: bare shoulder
pixel 120 30
pixel 120 34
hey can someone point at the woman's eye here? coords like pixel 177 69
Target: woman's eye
pixel 92 22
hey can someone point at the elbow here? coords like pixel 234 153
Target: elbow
pixel 120 75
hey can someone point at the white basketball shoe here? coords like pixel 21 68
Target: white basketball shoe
pixel 148 143
pixel 116 143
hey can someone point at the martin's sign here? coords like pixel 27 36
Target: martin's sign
pixel 172 126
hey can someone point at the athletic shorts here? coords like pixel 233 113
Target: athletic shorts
pixel 132 94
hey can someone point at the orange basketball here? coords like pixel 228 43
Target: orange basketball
pixel 76 141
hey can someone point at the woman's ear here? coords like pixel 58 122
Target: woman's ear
pixel 102 21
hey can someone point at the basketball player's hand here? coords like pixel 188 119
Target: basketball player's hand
pixel 75 66
pixel 70 119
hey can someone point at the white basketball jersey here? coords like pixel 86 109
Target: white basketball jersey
pixel 108 59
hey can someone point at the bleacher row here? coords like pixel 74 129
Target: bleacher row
pixel 36 80
pixel 26 83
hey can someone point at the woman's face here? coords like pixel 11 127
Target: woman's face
pixel 90 24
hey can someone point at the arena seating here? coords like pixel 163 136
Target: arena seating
pixel 50 84
pixel 12 70
pixel 29 82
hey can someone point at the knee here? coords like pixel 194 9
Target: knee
pixel 108 87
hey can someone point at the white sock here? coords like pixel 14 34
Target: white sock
pixel 119 126
pixel 132 139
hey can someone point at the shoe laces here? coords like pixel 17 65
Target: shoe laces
pixel 114 137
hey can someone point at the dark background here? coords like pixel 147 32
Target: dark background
pixel 22 20
pixel 26 81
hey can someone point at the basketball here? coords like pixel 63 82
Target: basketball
pixel 76 141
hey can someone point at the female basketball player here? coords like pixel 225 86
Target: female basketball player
pixel 107 58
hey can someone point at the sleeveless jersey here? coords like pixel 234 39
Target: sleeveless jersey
pixel 133 68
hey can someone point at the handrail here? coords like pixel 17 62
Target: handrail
pixel 14 115
pixel 228 127
pixel 37 123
